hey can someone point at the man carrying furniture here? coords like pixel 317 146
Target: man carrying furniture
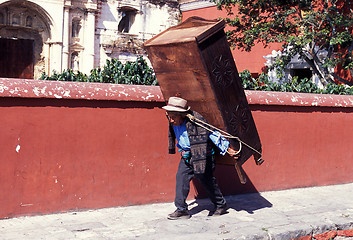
pixel 198 148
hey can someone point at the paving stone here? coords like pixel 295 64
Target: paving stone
pixel 277 215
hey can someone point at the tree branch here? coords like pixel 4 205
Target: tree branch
pixel 342 79
pixel 315 69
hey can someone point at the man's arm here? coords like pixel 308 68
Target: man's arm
pixel 222 144
pixel 171 140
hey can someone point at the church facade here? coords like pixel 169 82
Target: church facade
pixel 55 35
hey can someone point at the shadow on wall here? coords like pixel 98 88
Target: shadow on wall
pixel 228 181
pixel 75 103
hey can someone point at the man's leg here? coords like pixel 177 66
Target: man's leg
pixel 212 189
pixel 183 178
pixel 209 182
pixel 182 188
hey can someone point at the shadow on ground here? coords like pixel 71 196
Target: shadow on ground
pixel 240 197
pixel 243 202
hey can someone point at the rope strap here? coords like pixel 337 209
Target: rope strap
pixel 209 128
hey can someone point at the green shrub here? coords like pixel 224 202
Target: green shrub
pixel 137 73
pixel 304 85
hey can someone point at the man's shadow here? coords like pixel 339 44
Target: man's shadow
pixel 238 196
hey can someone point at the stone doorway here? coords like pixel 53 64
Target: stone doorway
pixel 25 30
pixel 16 58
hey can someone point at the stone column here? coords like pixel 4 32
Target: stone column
pixel 89 40
pixel 66 36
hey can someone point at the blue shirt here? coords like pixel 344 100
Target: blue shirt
pixel 184 143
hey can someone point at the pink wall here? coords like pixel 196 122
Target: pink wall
pixel 71 146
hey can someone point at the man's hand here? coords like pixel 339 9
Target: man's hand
pixel 232 153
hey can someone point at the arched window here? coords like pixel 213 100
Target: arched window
pixel 75 64
pixel 15 19
pixel 128 18
pixel 76 26
pixel 29 21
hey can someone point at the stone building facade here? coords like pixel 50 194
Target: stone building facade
pixel 54 35
pixel 190 5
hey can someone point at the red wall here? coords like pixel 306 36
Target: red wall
pixel 253 61
pixel 77 153
pixel 78 145
pixel 306 141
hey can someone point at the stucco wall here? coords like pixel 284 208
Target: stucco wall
pixel 75 146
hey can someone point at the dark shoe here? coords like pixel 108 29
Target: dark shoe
pixel 220 211
pixel 179 215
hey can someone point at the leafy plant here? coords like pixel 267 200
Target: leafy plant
pixel 67 75
pixel 137 73
pixel 304 85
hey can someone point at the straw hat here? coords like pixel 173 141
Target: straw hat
pixel 177 104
